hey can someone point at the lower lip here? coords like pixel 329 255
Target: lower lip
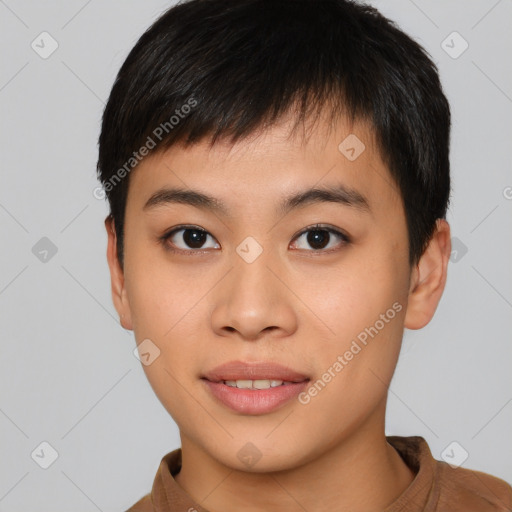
pixel 255 401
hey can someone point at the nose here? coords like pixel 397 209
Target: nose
pixel 252 302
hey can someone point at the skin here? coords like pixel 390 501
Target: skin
pixel 293 305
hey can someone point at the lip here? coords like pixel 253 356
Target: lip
pixel 254 401
pixel 238 370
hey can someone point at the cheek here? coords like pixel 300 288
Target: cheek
pixel 159 293
pixel 351 297
pixel 168 307
pixel 363 304
pixel 168 386
pixel 356 368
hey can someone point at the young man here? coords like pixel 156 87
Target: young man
pixel 278 177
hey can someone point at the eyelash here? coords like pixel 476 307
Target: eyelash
pixel 164 239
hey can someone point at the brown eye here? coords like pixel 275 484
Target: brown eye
pixel 194 238
pixel 190 238
pixel 319 238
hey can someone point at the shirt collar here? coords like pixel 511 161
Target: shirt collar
pixel 420 496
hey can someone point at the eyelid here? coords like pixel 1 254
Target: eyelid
pixel 322 227
pixel 179 227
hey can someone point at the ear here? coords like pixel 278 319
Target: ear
pixel 119 296
pixel 428 278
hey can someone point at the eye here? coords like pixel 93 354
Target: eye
pixel 193 239
pixel 320 239
pixel 189 239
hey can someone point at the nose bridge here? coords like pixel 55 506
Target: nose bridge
pixel 253 299
pixel 252 277
pixel 253 291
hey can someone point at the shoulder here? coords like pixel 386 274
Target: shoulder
pixel 470 490
pixel 440 487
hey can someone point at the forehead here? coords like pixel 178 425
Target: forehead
pixel 266 167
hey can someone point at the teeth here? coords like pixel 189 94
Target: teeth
pixel 255 384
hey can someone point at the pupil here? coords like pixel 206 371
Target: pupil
pixel 318 239
pixel 194 238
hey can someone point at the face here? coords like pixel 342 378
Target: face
pixel 266 272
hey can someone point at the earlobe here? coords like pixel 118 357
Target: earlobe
pixel 429 278
pixel 119 296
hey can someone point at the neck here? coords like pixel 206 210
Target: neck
pixel 361 473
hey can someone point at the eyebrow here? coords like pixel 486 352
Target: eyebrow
pixel 332 194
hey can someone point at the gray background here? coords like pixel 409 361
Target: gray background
pixel 68 374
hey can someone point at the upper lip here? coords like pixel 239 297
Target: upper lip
pixel 239 370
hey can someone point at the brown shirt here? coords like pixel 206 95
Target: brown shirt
pixel 437 486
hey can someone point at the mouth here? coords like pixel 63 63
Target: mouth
pixel 257 383
pixel 254 388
